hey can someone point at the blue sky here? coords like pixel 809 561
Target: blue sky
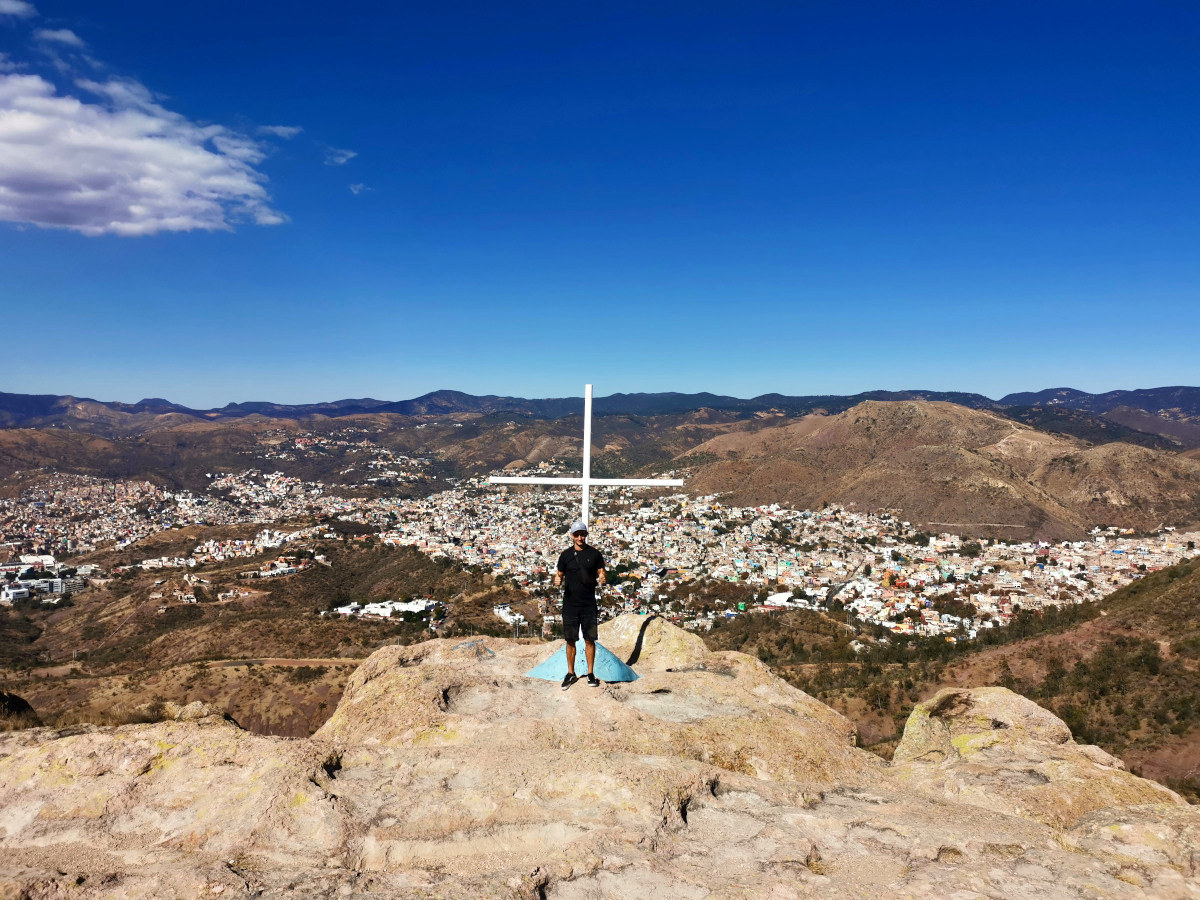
pixel 249 201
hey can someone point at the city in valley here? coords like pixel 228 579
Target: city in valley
pixel 667 553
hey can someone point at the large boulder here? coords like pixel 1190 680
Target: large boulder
pixel 444 772
pixel 651 643
pixel 956 724
pixel 727 709
pixel 993 748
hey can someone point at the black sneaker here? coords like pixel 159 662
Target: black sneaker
pixel 593 681
pixel 569 680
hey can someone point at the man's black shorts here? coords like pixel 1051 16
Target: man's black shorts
pixel 576 617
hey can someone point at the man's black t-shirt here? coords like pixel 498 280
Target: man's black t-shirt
pixel 580 568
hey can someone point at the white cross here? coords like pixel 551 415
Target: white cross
pixel 587 480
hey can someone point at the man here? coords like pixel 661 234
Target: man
pixel 582 568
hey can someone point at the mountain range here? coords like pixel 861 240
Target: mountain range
pixel 1049 466
pixel 1175 404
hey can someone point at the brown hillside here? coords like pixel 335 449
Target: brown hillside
pixel 943 463
pixel 621 444
pixel 1182 429
pixel 32 448
pixel 110 653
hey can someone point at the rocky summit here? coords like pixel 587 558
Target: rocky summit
pixel 445 772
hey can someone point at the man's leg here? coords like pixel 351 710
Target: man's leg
pixel 589 650
pixel 571 656
pixel 589 632
pixel 570 635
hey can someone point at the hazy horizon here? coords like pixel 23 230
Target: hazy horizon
pixel 571 396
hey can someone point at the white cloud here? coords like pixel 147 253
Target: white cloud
pixel 357 189
pixel 18 8
pixel 336 157
pixel 60 36
pixel 287 132
pixel 6 64
pixel 120 163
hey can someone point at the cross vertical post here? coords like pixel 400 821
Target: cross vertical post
pixel 587 448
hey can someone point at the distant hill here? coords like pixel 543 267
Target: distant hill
pixel 1172 413
pixel 1144 429
pixel 1164 418
pixel 18 408
pixel 1178 400
pixel 1179 431
pixel 952 468
pixel 1046 471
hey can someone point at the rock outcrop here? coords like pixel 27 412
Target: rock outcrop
pixel 992 748
pixel 445 773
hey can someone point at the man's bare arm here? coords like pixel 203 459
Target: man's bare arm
pixel 601 576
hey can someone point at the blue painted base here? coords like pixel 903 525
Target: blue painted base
pixel 607 668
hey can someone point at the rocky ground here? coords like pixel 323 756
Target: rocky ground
pixel 444 772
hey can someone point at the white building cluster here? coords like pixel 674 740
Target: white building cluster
pixel 386 609
pixel 880 569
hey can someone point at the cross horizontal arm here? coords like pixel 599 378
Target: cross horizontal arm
pixel 523 479
pixel 636 482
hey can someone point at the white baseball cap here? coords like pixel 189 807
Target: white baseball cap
pixel 578 525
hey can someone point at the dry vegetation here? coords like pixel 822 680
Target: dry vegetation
pixel 270 660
